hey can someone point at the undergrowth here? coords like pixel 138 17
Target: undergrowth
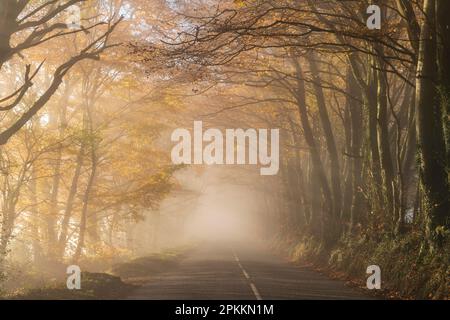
pixel 408 269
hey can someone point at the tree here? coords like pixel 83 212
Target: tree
pixel 433 165
pixel 38 21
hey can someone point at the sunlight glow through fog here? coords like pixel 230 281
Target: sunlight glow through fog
pixel 225 212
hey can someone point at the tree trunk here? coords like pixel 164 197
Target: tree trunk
pixel 443 28
pixel 371 105
pixel 433 173
pixel 70 203
pixel 52 217
pixel 318 169
pixel 84 211
pixel 348 165
pixel 329 137
pixel 387 165
pixel 302 210
pixel 34 220
pixel 356 114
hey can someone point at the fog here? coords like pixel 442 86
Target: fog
pixel 217 204
pixel 225 211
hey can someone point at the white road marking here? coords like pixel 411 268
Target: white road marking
pixel 247 276
pixel 255 291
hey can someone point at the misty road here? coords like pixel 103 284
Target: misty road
pixel 238 272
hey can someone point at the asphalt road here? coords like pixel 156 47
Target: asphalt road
pixel 241 272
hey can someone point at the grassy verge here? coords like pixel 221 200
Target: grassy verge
pixel 93 286
pixel 143 268
pixel 115 282
pixel 408 271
